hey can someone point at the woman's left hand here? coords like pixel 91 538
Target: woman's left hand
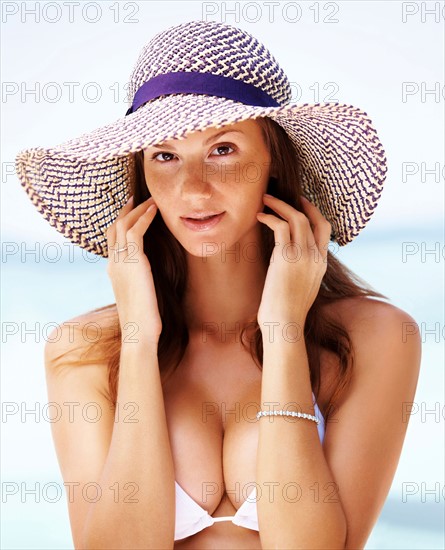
pixel 298 262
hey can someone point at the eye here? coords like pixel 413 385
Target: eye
pixel 154 157
pixel 165 157
pixel 223 147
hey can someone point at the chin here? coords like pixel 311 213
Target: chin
pixel 206 246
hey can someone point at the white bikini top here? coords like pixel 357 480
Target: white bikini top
pixel 192 518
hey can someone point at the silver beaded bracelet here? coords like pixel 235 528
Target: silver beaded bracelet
pixel 288 413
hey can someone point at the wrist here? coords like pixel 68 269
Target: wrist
pixel 277 333
pixel 134 332
pixel 139 344
pixel 284 349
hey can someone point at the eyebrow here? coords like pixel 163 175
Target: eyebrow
pixel 211 138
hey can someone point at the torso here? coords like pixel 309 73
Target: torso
pixel 213 443
pixel 210 404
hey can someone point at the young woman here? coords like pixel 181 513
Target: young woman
pixel 215 202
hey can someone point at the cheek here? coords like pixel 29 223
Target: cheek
pixel 255 171
pixel 157 187
pixel 255 181
pixel 164 202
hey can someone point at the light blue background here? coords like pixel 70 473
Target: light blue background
pixel 368 53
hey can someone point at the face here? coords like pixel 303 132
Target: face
pixel 218 171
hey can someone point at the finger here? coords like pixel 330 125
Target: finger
pixel 124 223
pixel 300 231
pixel 111 230
pixel 133 213
pixel 280 228
pixel 133 238
pixel 126 208
pixel 320 226
pixel 136 233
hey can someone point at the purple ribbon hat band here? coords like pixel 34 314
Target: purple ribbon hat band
pixel 201 83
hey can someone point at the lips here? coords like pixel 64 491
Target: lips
pixel 201 216
pixel 202 223
pixel 202 219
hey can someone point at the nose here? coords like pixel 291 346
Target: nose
pixel 194 183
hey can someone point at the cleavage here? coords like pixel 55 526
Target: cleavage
pixel 213 434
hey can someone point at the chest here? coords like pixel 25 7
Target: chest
pixel 211 402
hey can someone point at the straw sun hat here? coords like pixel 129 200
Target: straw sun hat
pixel 191 77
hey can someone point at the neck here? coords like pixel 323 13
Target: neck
pixel 224 291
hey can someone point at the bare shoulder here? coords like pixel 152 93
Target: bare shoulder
pixel 374 325
pixel 360 313
pixel 375 328
pixel 72 342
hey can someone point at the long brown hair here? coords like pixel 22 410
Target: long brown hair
pixel 168 262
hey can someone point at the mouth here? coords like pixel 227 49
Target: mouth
pixel 202 216
pixel 202 223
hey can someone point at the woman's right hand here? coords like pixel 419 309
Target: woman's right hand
pixel 131 275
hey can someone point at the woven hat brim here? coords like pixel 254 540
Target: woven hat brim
pixel 80 186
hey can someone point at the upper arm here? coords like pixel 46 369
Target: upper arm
pixel 364 439
pixel 82 432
